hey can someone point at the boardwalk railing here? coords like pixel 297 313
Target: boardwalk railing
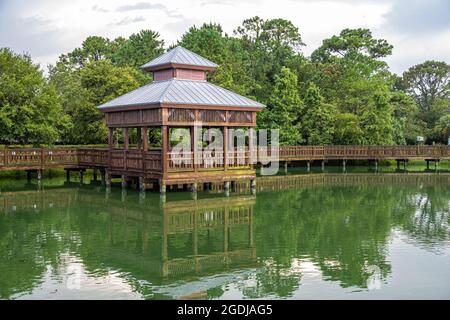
pixel 351 152
pixel 37 158
pixel 151 161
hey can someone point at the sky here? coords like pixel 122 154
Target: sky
pixel 418 29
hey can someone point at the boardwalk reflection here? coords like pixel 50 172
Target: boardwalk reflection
pixel 179 240
pixel 337 228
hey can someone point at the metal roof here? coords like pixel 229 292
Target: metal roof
pixel 179 55
pixel 176 91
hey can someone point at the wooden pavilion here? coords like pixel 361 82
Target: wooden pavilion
pixel 180 97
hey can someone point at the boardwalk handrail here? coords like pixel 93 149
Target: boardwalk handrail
pixel 135 160
pixel 356 152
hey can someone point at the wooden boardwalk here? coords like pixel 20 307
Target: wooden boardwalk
pixel 148 165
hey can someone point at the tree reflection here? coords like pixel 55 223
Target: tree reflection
pixel 338 231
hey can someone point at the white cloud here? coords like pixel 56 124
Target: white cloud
pixel 418 29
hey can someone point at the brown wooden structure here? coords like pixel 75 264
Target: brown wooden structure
pixel 138 163
pixel 179 97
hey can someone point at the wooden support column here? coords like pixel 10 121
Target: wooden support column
pixel 194 146
pixel 165 148
pixel 103 176
pixel 225 148
pixel 110 145
pixel 251 147
pixel 81 174
pixel 126 143
pixel 139 138
pixel 126 138
pixel 144 141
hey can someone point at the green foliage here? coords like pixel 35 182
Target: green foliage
pixel 284 109
pixel 443 127
pixel 428 84
pixel 318 118
pixel 347 129
pixel 343 94
pixel 30 111
pixel 138 49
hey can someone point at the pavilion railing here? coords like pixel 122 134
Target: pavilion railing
pixel 184 160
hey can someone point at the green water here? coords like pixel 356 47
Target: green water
pixel 338 236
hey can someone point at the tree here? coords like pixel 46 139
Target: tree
pixel 318 118
pixel 443 127
pixel 271 45
pixel 210 42
pixel 376 121
pixel 428 84
pixel 347 130
pixel 138 49
pixel 30 110
pixel 83 90
pixel 94 48
pixel 284 109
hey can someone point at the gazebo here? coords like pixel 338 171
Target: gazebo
pixel 180 97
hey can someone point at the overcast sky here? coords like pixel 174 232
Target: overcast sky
pixel 418 29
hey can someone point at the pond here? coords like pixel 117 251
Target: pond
pixel 317 236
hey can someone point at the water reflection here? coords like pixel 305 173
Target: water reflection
pixel 297 233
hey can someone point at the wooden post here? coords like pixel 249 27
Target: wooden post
pixel 323 165
pixel 251 147
pixel 141 184
pixel 103 176
pixel 144 139
pixel 81 173
pixel 344 164
pixel 194 147
pixel 110 145
pixel 165 148
pixel 139 138
pixel 126 143
pixel 107 178
pixel 162 187
pixel 225 148
pixel 308 166
pixel 226 188
pixel 126 138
